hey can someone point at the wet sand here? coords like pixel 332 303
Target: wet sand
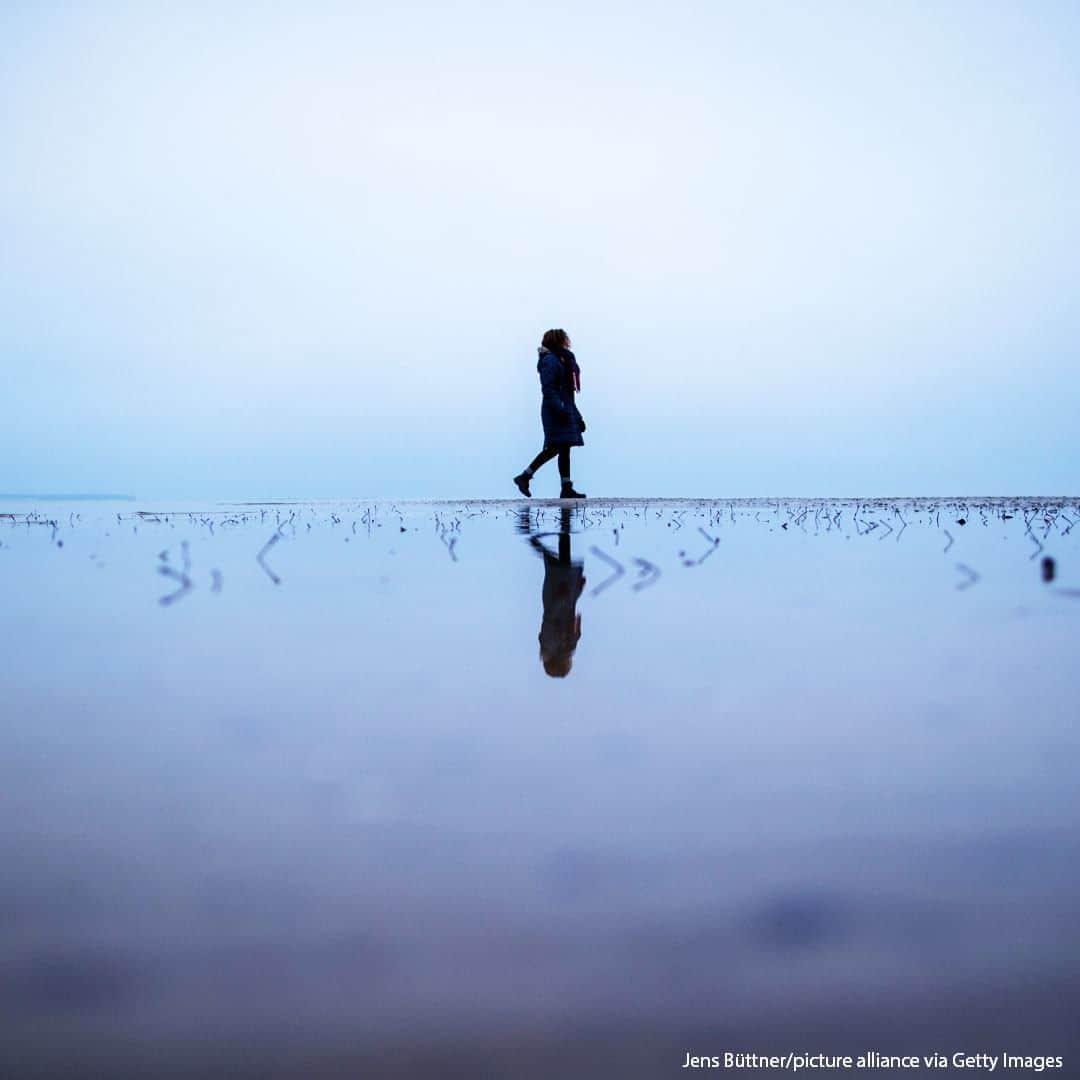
pixel 290 789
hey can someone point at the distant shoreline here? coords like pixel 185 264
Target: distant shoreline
pixel 223 506
pixel 106 497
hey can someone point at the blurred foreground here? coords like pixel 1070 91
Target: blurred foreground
pixel 509 789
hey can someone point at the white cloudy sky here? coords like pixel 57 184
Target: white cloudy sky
pixel 309 249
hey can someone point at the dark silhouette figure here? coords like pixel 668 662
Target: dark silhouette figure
pixel 560 380
pixel 564 581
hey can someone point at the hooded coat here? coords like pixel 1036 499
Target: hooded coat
pixel 559 378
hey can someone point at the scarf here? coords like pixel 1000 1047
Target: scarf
pixel 568 358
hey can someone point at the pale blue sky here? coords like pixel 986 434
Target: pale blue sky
pixel 256 250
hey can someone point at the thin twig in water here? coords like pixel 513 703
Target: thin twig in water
pixel 972 577
pixel 260 557
pixel 616 566
pixel 185 585
pixel 648 572
pixel 903 522
pixel 714 543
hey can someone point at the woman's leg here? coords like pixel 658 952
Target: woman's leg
pixel 544 456
pixel 564 537
pixel 522 479
pixel 568 491
pixel 564 465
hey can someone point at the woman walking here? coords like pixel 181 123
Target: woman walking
pixel 560 379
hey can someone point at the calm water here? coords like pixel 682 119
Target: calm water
pixel 471 789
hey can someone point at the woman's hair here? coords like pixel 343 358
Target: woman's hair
pixel 554 339
pixel 558 666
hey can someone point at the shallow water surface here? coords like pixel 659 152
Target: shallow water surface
pixel 536 789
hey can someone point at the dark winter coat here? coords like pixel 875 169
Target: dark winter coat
pixel 563 424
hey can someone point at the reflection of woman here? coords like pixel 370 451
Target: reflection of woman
pixel 564 580
pixel 560 379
